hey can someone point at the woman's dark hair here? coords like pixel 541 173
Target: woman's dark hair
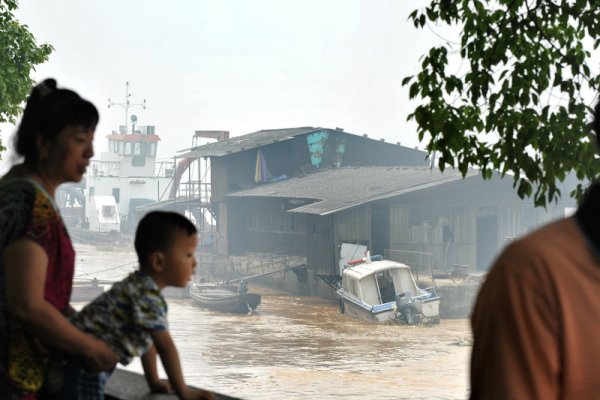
pixel 47 112
pixel 157 231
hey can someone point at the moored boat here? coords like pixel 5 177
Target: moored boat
pixel 86 291
pixel 385 290
pixel 225 298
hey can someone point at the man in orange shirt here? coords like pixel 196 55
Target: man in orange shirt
pixel 534 322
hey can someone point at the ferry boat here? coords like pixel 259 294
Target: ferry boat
pixel 125 176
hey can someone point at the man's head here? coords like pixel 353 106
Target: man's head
pixel 165 243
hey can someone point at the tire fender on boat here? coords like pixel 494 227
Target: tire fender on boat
pixel 342 307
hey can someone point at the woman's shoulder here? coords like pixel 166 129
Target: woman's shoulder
pixel 24 192
pixel 16 192
pixel 17 198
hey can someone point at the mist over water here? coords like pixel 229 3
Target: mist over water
pixel 300 347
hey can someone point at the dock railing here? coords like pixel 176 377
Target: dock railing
pixel 250 266
pixel 420 263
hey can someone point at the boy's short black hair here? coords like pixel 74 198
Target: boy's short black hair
pixel 157 231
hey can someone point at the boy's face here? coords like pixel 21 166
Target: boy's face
pixel 180 260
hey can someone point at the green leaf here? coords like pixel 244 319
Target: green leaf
pixel 528 79
pixel 414 90
pixel 19 54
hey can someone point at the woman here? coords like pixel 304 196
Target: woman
pixel 36 255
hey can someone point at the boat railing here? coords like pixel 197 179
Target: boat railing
pixel 256 265
pixel 104 168
pixel 192 190
pixel 163 169
pixel 420 263
pixel 248 267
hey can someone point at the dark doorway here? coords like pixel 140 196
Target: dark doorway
pixel 486 241
pixel 380 229
pixel 116 192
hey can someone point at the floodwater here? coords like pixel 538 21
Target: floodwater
pixel 301 347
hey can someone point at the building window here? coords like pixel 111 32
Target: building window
pixel 116 192
pixel 139 155
pixel 151 149
pixel 108 210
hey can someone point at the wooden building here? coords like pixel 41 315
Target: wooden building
pixel 303 192
pixel 425 218
pixel 268 156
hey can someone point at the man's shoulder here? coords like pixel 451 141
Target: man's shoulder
pixel 542 247
pixel 559 232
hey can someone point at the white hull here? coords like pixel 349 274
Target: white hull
pixel 429 311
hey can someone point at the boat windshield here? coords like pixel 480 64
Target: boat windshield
pixel 387 291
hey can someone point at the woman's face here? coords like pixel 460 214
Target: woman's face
pixel 69 155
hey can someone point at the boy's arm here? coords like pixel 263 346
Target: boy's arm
pixel 150 372
pixel 25 279
pixel 170 360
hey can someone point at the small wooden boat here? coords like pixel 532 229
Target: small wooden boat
pixel 225 298
pixel 86 292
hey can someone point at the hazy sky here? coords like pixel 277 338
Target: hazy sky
pixel 235 65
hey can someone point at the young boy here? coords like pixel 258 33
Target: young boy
pixel 132 316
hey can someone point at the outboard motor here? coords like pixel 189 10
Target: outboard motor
pixel 404 305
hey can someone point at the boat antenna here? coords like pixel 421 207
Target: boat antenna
pixel 127 104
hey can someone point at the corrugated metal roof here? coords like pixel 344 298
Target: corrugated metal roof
pixel 338 189
pixel 245 142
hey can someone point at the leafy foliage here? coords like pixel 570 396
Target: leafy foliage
pixel 19 54
pixel 519 107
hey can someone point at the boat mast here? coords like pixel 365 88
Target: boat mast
pixel 127 104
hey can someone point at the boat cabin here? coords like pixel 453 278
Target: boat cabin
pixel 379 282
pixel 384 290
pixel 129 174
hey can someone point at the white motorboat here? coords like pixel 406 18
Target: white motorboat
pixel 379 290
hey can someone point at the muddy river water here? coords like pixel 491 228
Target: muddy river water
pixel 300 347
